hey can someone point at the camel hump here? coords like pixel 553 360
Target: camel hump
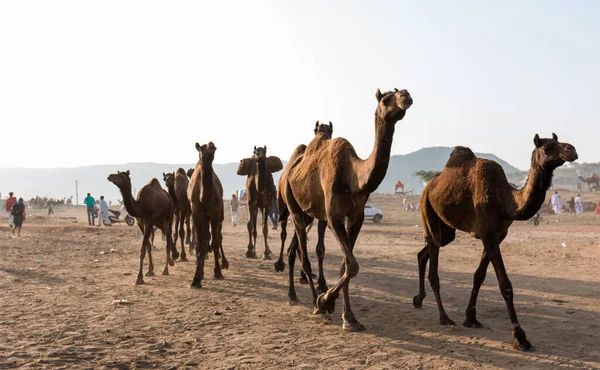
pixel 154 182
pixel 459 156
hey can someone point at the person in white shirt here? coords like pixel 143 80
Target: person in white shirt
pixel 556 203
pixel 578 204
pixel 104 212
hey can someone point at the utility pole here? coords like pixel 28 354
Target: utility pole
pixel 76 192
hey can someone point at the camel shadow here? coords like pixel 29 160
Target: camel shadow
pixel 33 275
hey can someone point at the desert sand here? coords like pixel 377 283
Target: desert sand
pixel 68 300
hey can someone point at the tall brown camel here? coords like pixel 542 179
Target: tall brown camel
pixel 590 181
pixel 177 184
pixel 153 207
pixel 327 131
pixel 205 193
pixel 330 182
pixel 472 195
pixel 260 189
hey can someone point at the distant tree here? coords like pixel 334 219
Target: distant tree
pixel 426 176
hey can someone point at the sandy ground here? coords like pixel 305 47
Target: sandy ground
pixel 59 280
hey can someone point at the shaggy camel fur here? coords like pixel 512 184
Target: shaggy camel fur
pixel 153 207
pixel 261 191
pixel 177 184
pixel 330 182
pixel 472 195
pixel 327 131
pixel 205 193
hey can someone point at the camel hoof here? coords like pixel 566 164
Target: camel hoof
pixel 292 301
pixel 417 302
pixel 521 342
pixel 150 273
pixel 196 284
pixel 166 273
pixel 472 324
pixel 303 280
pixel 528 347
pixel 224 264
pixel 219 276
pixel 174 254
pixel 139 281
pixel 353 325
pixel 446 321
pixel 267 257
pixel 322 305
pixel 279 266
pixel 171 262
pixel 183 259
pixel 250 254
pixel 322 289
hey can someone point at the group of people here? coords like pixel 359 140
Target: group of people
pixel 575 204
pixel 96 209
pixel 16 213
pixel 410 207
pixel 273 211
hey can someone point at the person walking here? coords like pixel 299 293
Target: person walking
pixel 273 212
pixel 104 212
pixel 556 203
pixel 233 206
pixel 579 204
pixel 571 203
pixel 18 213
pixel 11 201
pixel 89 202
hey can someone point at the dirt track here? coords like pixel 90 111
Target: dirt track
pixel 59 280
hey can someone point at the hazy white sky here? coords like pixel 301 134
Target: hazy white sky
pixel 86 82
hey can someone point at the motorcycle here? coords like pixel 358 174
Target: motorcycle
pixel 115 217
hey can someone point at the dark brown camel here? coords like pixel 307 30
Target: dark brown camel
pixel 472 195
pixel 205 193
pixel 153 207
pixel 590 181
pixel 330 182
pixel 177 184
pixel 327 131
pixel 260 189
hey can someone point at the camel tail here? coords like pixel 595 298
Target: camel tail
pixel 429 216
pixel 284 212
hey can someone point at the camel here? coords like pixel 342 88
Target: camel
pixel 329 182
pixel 177 184
pixel 327 131
pixel 190 172
pixel 153 207
pixel 589 181
pixel 205 194
pixel 260 188
pixel 473 195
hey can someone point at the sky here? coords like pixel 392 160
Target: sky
pixel 87 83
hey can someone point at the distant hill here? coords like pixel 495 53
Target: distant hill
pixel 60 182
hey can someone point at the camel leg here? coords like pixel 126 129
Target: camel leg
pixel 478 278
pixel 201 227
pixel 422 258
pixel 292 250
pixel 268 253
pixel 145 242
pixel 493 251
pixel 181 236
pixel 150 263
pixel 215 247
pixel 321 283
pixel 252 218
pixel 434 281
pixel 280 265
pixel 188 230
pixel 170 246
pixel 300 229
pixel 176 221
pixel 349 320
pixel 194 240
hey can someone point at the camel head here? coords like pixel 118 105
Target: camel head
pixel 190 172
pixel 121 179
pixel 260 153
pixel 169 179
pixel 326 130
pixel 549 153
pixel 393 104
pixel 206 151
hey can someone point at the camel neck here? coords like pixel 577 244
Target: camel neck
pixel 206 174
pixel 261 166
pixel 529 199
pixel 129 201
pixel 372 170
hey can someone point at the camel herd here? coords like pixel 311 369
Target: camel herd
pixel 326 181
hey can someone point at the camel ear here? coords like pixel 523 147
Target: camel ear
pixel 395 89
pixel 330 125
pixel 378 94
pixel 274 164
pixel 197 146
pixel 554 136
pixel 537 141
pixel 265 148
pixel 244 166
pixel 127 172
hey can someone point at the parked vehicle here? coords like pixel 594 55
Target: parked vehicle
pixel 115 217
pixel 373 213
